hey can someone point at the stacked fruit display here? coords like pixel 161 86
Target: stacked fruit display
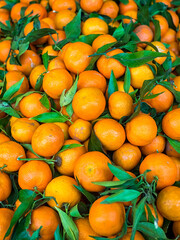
pixel 89 119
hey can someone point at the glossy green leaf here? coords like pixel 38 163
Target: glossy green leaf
pixel 112 86
pixel 157 34
pixel 22 48
pixel 50 117
pixel 143 15
pixel 2 74
pixel 176 2
pixel 69 110
pixel 45 101
pixel 123 195
pixel 21 210
pixel 174 143
pixel 88 38
pixel 97 55
pixel 176 62
pixel 6 107
pixel 149 230
pixel 145 108
pixel 20 231
pixel 151 96
pixel 90 197
pixel 127 80
pixel 119 172
pixel 20 97
pixel 157 8
pixel 167 65
pixel 66 98
pixel 45 58
pixel 119 32
pixel 14 193
pixel 24 194
pixel 169 19
pixel 147 86
pixel 94 143
pixel 36 234
pixel 138 58
pixel 137 214
pixel 79 210
pixel 36 34
pixel 29 147
pixel 72 30
pixel 110 184
pixel 70 146
pixel 39 82
pixel 170 87
pixel 68 224
pixel 57 234
pixel 12 90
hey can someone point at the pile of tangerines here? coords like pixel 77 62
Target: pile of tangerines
pixel 89 119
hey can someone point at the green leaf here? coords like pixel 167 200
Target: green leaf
pixel 6 107
pixel 149 230
pixel 72 30
pixel 39 82
pixel 138 58
pixel 157 35
pixel 151 96
pixel 169 19
pixel 68 224
pixel 70 146
pixel 97 55
pixel 12 90
pixel 2 74
pixel 90 197
pixel 176 2
pixel 145 108
pixel 88 38
pixel 110 184
pixel 22 48
pixel 45 101
pixel 57 234
pixel 123 195
pixel 94 143
pixel 119 172
pixel 36 34
pixel 127 80
pixel 176 62
pixel 147 86
pixel 20 97
pixel 14 193
pixel 45 58
pixel 69 110
pixel 112 86
pixel 79 210
pixel 50 117
pixel 119 32
pixel 29 147
pixel 143 15
pixel 157 8
pixel 169 86
pixel 36 234
pixel 21 210
pixel 137 213
pixel 167 65
pixel 24 194
pixel 66 98
pixel 20 231
pixel 174 143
